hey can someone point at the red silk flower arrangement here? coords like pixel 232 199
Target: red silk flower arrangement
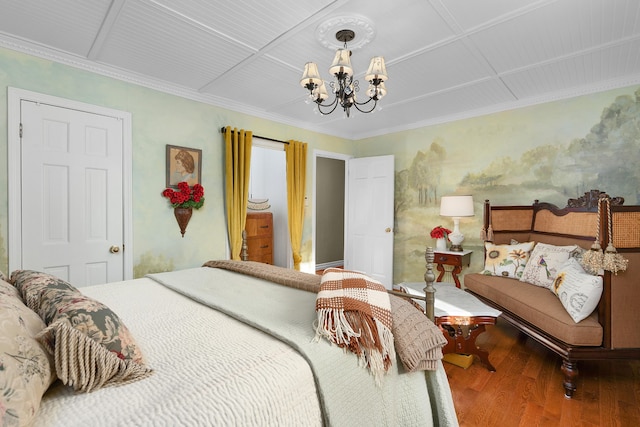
pixel 185 197
pixel 440 232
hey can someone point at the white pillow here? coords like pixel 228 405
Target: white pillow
pixel 543 265
pixel 506 260
pixel 578 291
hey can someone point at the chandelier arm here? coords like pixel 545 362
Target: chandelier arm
pixel 334 105
pixel 375 102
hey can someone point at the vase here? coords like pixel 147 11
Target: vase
pixel 183 215
pixel 441 244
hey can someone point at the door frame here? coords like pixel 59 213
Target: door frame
pixel 328 155
pixel 14 98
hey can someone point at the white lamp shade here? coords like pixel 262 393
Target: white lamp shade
pixel 310 75
pixel 456 206
pixel 321 93
pixel 377 69
pixel 341 63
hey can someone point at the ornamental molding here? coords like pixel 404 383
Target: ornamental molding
pixel 363 28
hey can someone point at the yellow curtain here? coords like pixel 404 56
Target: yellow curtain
pixel 237 162
pixel 296 153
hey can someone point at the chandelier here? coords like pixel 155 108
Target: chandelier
pixel 344 87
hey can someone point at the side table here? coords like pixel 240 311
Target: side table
pixel 451 258
pixel 460 316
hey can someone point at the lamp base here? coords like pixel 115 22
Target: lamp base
pixel 456 248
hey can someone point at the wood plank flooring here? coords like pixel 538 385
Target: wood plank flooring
pixel 526 389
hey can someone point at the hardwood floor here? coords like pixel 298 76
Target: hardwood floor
pixel 526 389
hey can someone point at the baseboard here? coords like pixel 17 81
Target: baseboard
pixel 331 264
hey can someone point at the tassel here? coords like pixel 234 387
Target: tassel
pixel 612 260
pixel 487 234
pixel 593 259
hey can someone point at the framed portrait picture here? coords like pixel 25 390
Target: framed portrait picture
pixel 183 164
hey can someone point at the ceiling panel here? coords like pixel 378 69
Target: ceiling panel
pixel 557 30
pixel 254 24
pixel 445 67
pixel 598 67
pixel 148 40
pixel 65 25
pixel 247 84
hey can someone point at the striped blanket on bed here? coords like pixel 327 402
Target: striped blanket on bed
pixel 354 312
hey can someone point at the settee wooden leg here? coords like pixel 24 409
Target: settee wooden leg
pixel 570 370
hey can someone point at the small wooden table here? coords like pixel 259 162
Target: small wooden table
pixel 461 318
pixel 452 258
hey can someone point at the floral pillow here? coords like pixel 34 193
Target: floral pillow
pixel 109 354
pixel 32 283
pixel 506 260
pixel 578 291
pixel 26 368
pixel 544 263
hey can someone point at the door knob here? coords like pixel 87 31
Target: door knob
pixel 387 230
pixel 114 249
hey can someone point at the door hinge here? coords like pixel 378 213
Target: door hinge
pixel 20 130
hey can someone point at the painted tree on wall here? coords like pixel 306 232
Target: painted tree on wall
pixel 608 155
pixel 402 197
pixel 425 173
pixel 606 159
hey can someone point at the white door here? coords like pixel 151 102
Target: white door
pixel 369 241
pixel 72 193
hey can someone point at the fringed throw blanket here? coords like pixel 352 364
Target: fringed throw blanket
pixel 354 312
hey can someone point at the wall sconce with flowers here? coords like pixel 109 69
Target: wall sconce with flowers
pixel 184 201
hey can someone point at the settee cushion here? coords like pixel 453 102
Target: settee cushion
pixel 537 306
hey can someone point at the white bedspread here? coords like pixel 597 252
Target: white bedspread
pixel 210 370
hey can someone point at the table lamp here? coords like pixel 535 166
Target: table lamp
pixel 456 207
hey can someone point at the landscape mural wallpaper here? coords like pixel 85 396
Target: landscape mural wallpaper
pixel 549 152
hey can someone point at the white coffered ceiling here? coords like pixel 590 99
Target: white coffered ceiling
pixel 446 59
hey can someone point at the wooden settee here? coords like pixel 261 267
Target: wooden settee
pixel 611 332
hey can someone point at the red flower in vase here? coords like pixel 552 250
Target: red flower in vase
pixel 440 232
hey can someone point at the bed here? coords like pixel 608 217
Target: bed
pixel 225 347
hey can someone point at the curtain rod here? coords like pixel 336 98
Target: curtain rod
pixel 222 129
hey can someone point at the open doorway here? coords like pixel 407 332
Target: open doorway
pixel 329 201
pixel 268 180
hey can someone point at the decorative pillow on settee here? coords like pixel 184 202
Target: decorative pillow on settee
pixel 578 291
pixel 506 260
pixel 91 346
pixel 26 368
pixel 544 263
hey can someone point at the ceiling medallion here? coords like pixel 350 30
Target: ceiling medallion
pixel 344 87
pixel 362 27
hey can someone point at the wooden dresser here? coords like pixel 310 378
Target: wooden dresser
pixel 259 228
